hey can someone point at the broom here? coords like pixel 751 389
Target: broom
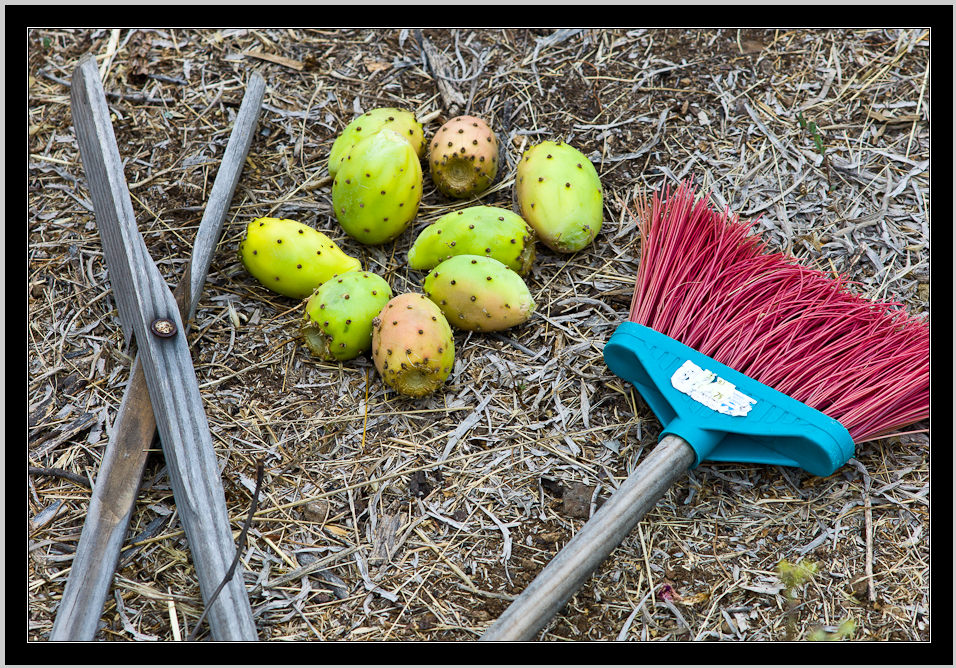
pixel 743 355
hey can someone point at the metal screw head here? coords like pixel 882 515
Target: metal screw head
pixel 163 328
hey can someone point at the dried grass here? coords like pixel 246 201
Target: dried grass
pixel 386 518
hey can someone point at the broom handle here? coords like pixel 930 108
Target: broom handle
pixel 565 574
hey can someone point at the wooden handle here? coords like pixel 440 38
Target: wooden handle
pixel 114 494
pixel 565 574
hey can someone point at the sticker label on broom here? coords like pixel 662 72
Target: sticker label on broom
pixel 706 388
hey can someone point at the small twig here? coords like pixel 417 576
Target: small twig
pixel 260 469
pixel 60 473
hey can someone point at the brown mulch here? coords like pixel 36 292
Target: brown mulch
pixel 532 427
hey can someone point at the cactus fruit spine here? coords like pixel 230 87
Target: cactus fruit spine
pixel 399 120
pixel 479 293
pixel 339 314
pixel 477 230
pixel 412 345
pixel 560 195
pixel 290 258
pixel 378 187
pixel 464 157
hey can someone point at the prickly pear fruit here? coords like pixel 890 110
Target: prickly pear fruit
pixel 412 345
pixel 291 258
pixel 476 230
pixel 560 195
pixel 399 120
pixel 378 187
pixel 479 293
pixel 339 314
pixel 463 157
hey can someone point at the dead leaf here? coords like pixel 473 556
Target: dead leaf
pixel 751 46
pixel 375 66
pixel 278 60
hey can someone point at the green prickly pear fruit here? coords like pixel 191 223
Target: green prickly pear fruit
pixel 399 120
pixel 479 293
pixel 560 195
pixel 339 314
pixel 464 157
pixel 377 189
pixel 477 230
pixel 291 258
pixel 412 345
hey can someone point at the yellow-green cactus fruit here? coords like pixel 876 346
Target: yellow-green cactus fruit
pixel 339 314
pixel 560 195
pixel 477 230
pixel 290 258
pixel 399 120
pixel 377 190
pixel 479 293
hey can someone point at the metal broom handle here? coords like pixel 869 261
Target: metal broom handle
pixel 561 578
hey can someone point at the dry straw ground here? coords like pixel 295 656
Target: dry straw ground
pixel 534 429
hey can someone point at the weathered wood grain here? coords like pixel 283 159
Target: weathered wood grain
pixel 166 367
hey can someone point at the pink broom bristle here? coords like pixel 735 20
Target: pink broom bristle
pixel 709 283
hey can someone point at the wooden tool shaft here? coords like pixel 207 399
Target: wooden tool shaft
pixel 565 574
pixel 116 485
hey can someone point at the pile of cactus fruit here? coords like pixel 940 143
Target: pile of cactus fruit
pixel 475 259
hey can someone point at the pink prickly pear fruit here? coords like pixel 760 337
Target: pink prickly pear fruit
pixel 476 230
pixel 479 293
pixel 339 314
pixel 463 158
pixel 413 347
pixel 399 120
pixel 378 187
pixel 290 258
pixel 560 195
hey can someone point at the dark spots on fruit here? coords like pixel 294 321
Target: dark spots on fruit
pixel 401 204
pixel 345 296
pixel 540 179
pixel 532 205
pixel 567 184
pixel 440 349
pixel 361 205
pixel 549 156
pixel 385 219
pixel 348 322
pixel 471 227
pixel 452 243
pixel 301 231
pixel 421 331
pixel 358 129
pixel 450 144
pixel 452 281
pixel 374 292
pixel 474 298
pixel 348 180
pixel 474 142
pixel 487 250
pixel 383 192
pixel 487 278
pixel 579 166
pixel 278 241
pixel 474 261
pixel 514 241
pixel 255 252
pixel 407 352
pixel 298 266
pixel 444 301
pixel 277 278
pixel 507 305
pixel 435 319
